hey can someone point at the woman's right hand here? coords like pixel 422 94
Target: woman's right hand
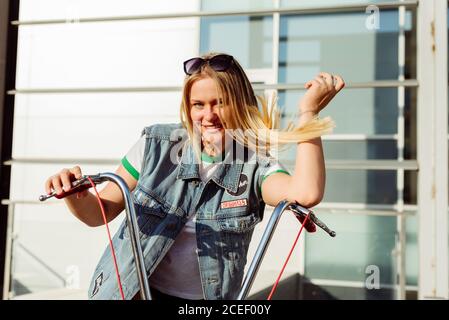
pixel 62 182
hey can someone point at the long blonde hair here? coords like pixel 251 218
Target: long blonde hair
pixel 257 129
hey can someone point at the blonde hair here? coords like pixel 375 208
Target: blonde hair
pixel 259 126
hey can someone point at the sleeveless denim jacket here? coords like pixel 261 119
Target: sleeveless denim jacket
pixel 168 191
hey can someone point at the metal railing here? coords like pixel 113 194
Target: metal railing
pixel 409 83
pixel 409 165
pixel 203 14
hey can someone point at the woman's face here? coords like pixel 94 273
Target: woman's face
pixel 204 109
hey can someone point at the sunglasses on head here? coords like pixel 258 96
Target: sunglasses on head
pixel 220 62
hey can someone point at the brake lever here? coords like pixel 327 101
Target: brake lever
pixel 301 214
pixel 77 186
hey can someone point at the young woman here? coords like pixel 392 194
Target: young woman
pixel 200 186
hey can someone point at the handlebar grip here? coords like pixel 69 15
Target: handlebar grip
pixel 73 190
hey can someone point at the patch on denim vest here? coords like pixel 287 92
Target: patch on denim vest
pixel 234 204
pixel 243 184
pixel 98 283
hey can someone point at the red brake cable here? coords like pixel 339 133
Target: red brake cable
pixel 288 258
pixel 111 246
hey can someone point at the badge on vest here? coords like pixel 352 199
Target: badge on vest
pixel 98 283
pixel 234 204
pixel 243 184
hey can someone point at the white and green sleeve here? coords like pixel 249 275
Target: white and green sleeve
pixel 269 169
pixel 132 161
pixel 274 168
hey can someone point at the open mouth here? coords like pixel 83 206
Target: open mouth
pixel 212 128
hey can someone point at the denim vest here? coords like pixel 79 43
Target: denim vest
pixel 227 208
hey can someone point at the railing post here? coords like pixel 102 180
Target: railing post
pixel 8 252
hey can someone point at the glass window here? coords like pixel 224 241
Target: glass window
pixel 319 42
pixel 361 111
pixel 372 240
pixel 339 43
pixel 361 150
pixel 411 253
pixel 252 48
pixel 373 249
pixel 361 186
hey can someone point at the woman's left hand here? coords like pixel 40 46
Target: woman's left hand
pixel 320 91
